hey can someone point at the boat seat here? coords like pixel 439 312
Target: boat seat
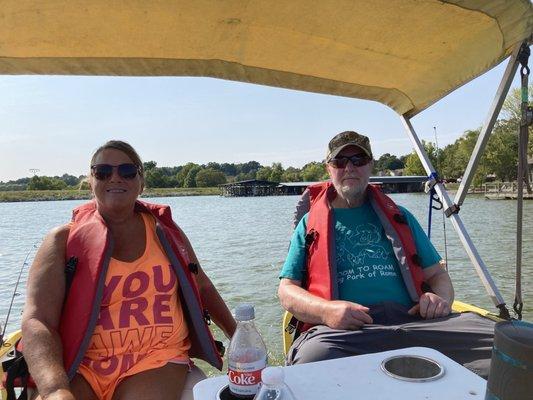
pixel 288 338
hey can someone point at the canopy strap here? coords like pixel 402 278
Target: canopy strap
pixel 522 175
pixel 433 179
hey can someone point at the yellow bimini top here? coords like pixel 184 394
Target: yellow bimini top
pixel 406 54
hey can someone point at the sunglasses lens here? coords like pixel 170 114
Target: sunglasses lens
pixel 339 162
pixel 342 162
pixel 127 171
pixel 102 171
pixel 359 162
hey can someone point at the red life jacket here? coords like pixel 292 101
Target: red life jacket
pixel 91 243
pixel 320 242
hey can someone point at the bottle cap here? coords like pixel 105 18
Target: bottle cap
pixel 272 376
pixel 244 312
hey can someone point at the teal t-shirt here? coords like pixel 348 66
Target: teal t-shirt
pixel 367 270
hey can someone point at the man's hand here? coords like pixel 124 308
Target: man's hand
pixel 341 314
pixel 431 306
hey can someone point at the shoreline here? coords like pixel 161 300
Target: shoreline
pixel 57 195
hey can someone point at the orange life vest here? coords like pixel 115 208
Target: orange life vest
pixel 91 245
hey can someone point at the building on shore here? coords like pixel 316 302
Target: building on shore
pixel 254 187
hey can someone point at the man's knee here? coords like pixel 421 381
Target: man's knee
pixel 312 347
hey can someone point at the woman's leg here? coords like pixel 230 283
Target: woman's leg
pixel 81 389
pixel 164 383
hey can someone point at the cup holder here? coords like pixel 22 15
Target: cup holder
pixel 225 394
pixel 412 368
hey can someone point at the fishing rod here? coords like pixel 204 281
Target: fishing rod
pixel 21 270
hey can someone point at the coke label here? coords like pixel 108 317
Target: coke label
pixel 245 378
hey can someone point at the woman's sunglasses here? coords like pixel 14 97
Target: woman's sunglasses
pixel 103 172
pixel 356 160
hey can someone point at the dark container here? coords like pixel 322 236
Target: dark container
pixel 225 394
pixel 511 369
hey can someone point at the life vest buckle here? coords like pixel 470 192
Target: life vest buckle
pixel 207 317
pixel 310 238
pixel 400 218
pixel 193 267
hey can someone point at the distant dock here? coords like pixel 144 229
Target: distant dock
pixel 505 191
pixel 254 187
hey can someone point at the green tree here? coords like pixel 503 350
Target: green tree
pixel 314 172
pixel 388 162
pixel 46 183
pixel 154 178
pixel 209 177
pixel 291 174
pixel 263 174
pixel 148 165
pixel 512 112
pixel 69 180
pixel 183 173
pixel 277 172
pixel 245 176
pixel 250 166
pixel 413 165
pixel 501 154
pixel 228 169
pixel 190 179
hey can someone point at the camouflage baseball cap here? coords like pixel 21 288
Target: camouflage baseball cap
pixel 345 139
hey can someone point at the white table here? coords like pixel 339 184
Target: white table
pixel 361 377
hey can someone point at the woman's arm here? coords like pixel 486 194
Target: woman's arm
pixel 41 317
pixel 211 299
pixel 216 306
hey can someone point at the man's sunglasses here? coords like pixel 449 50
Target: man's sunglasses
pixel 356 160
pixel 103 172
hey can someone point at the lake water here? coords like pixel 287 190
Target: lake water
pixel 242 243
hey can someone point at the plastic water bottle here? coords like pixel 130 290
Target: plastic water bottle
pixel 274 386
pixel 247 355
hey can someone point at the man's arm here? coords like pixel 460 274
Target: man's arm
pixel 437 304
pixel 308 308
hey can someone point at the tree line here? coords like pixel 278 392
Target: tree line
pixel 498 163
pixel 499 160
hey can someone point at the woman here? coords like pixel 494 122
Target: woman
pixel 121 320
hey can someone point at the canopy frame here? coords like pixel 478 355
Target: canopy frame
pixel 488 125
pixel 451 209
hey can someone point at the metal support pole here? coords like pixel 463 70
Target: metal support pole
pixel 523 136
pixel 486 130
pixel 458 225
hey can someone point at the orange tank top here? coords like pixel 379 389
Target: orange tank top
pixel 141 323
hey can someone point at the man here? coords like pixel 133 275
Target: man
pixel 361 276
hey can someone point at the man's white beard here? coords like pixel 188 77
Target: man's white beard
pixel 353 193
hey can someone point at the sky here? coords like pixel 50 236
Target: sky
pixel 54 123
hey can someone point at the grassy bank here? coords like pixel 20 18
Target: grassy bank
pixel 49 195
